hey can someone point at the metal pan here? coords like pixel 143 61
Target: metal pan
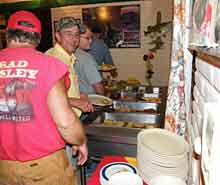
pixel 132 117
pixel 135 106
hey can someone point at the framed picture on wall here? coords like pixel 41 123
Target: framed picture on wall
pixel 217 25
pixel 120 25
pixel 210 146
pixel 204 12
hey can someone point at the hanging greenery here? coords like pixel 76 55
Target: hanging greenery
pixel 157 33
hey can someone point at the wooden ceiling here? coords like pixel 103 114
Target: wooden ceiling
pixel 12 1
pixel 8 6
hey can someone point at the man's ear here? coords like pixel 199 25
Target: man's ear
pixel 57 36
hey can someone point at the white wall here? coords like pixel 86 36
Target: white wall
pixel 129 60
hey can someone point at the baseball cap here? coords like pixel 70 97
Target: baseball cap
pixel 68 22
pixel 24 20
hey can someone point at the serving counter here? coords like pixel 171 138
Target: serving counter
pixel 114 131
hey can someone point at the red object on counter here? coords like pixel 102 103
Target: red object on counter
pixel 94 179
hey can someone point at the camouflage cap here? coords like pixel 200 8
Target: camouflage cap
pixel 68 22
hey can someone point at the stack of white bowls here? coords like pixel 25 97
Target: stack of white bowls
pixel 161 153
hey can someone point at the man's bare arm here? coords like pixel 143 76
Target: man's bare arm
pixel 66 120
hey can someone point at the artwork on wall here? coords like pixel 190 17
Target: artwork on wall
pixel 217 24
pixel 120 25
pixel 210 138
pixel 157 34
pixel 204 15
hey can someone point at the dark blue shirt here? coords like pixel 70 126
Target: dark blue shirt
pixel 100 52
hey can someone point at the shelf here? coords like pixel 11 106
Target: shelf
pixel 211 55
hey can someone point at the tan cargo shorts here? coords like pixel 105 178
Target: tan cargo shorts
pixel 54 169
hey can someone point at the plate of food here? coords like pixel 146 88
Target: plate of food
pixel 99 100
pixel 151 99
pixel 107 67
pixel 133 81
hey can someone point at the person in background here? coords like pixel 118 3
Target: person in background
pixel 90 80
pixel 67 33
pixel 99 50
pixel 36 120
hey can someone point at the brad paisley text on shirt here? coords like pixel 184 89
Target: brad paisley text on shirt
pixel 17 81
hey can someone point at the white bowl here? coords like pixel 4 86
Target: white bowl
pixel 166 180
pixel 113 168
pixel 162 143
pixel 125 178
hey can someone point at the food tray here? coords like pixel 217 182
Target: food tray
pixel 141 118
pixel 144 89
pixel 129 106
pixel 135 96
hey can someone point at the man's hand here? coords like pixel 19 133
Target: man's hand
pixel 84 96
pixel 83 104
pixel 82 153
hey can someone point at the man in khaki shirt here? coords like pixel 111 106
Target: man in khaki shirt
pixel 67 33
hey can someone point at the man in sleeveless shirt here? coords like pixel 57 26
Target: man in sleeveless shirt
pixel 35 118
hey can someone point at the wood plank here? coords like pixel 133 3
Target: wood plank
pixel 12 1
pixel 211 56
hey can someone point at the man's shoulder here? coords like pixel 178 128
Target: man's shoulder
pixel 99 44
pixel 55 53
pixel 26 52
pixel 79 52
pixel 51 51
pixel 83 54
